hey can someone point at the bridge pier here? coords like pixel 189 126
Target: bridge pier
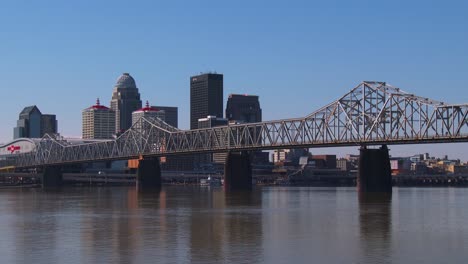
pixel 52 177
pixel 149 173
pixel 238 171
pixel 374 173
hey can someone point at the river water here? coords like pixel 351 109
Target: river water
pixel 203 225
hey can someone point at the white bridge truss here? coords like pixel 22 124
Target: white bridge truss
pixel 372 113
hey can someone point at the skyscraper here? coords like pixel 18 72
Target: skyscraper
pixel 48 124
pixel 148 111
pixel 125 100
pixel 98 122
pixel 171 115
pixel 33 124
pixel 209 122
pixel 243 108
pixel 29 123
pixel 206 97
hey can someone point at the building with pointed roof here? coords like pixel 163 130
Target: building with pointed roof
pixel 33 124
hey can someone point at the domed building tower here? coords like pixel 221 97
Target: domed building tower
pixel 125 100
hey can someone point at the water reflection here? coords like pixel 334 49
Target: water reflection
pixel 225 227
pixel 244 227
pixel 206 228
pixel 109 232
pixel 375 226
pixel 158 228
pixel 197 225
pixel 28 230
pixel 120 225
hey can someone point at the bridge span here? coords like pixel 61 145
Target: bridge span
pixel 372 113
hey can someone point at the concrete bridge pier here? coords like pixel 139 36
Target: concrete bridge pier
pixel 374 174
pixel 149 173
pixel 238 171
pixel 52 177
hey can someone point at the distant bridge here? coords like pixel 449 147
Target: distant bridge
pixel 372 113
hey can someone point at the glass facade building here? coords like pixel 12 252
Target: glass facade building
pixel 206 97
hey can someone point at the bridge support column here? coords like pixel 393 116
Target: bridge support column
pixel 374 174
pixel 149 173
pixel 237 171
pixel 52 177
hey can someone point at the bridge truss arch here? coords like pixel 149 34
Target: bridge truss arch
pixel 371 113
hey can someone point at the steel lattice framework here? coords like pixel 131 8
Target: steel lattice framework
pixel 372 113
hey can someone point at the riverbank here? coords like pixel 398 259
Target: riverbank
pixel 81 179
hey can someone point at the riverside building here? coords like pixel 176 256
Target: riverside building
pixel 243 108
pixel 33 124
pixel 125 100
pixel 170 114
pixel 98 122
pixel 206 97
pixel 148 111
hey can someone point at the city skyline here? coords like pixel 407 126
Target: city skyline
pixel 296 64
pixel 398 150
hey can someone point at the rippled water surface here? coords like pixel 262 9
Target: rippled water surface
pixel 201 225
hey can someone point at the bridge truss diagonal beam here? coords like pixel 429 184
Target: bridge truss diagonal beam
pixel 371 113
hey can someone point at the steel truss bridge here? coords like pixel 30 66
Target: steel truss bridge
pixel 372 113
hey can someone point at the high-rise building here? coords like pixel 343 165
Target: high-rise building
pixel 125 100
pixel 48 124
pixel 171 115
pixel 178 162
pixel 170 163
pixel 206 97
pixel 212 121
pixel 209 122
pixel 243 108
pixel 29 123
pixel 98 122
pixel 148 111
pixel 33 124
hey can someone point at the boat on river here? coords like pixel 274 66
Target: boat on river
pixel 211 181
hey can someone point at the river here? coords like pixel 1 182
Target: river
pixel 201 225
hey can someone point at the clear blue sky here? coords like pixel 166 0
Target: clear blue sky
pixel 296 55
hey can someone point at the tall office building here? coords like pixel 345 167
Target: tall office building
pixel 29 123
pixel 206 97
pixel 243 108
pixel 212 121
pixel 33 124
pixel 125 100
pixel 98 122
pixel 171 115
pixel 148 111
pixel 209 122
pixel 48 124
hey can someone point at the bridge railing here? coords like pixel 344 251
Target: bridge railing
pixel 371 113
